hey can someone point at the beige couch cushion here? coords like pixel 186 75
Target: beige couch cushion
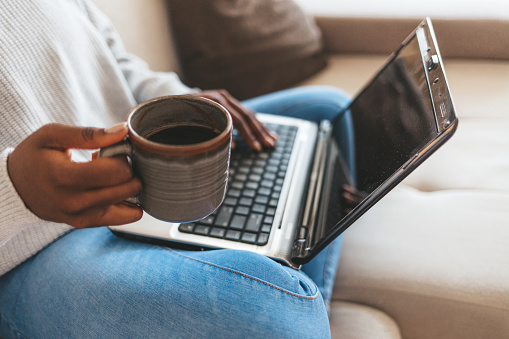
pixel 436 262
pixel 355 321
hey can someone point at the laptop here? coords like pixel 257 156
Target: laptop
pixel 290 202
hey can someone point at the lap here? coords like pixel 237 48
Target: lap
pixel 92 282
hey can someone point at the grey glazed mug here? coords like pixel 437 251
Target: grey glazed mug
pixel 185 172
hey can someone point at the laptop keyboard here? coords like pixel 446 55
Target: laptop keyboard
pixel 254 187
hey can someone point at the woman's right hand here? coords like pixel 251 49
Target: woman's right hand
pixel 88 194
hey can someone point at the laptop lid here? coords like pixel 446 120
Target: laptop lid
pixel 403 115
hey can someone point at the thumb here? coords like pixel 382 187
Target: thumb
pixel 61 136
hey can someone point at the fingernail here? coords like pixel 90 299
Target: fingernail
pixel 121 127
pixel 257 146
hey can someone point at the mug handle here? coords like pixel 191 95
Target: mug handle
pixel 123 148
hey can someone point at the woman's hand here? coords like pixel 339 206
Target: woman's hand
pixel 80 194
pixel 254 133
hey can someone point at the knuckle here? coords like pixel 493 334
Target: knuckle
pixel 61 176
pixel 87 133
pixel 46 133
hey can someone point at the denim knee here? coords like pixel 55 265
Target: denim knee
pixel 93 284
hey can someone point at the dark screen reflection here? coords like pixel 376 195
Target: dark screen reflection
pixel 392 119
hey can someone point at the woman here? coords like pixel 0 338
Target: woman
pixel 64 77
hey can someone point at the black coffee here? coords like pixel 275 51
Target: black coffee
pixel 183 135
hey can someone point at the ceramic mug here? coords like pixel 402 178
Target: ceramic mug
pixel 179 147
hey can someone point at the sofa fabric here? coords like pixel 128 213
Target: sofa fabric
pixel 356 321
pixel 247 47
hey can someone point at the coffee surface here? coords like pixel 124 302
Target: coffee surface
pixel 182 135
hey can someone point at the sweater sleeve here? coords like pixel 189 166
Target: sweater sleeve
pixel 22 233
pixel 145 84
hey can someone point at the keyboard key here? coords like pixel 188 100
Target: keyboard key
pixel 232 235
pixel 269 176
pixel 230 201
pixel 255 177
pixel 272 169
pixel 266 183
pixel 258 208
pixel 266 228
pixel 243 210
pixel 264 191
pixel 224 215
pixel 201 229
pixel 237 185
pixel 258 170
pixel 238 222
pixel 262 199
pixel 249 238
pixel 207 220
pixel 263 239
pixel 217 232
pixel 249 193
pixel 187 228
pixel 246 201
pixel 252 185
pixel 235 193
pixel 254 222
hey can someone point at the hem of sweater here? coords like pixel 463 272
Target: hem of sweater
pixel 28 243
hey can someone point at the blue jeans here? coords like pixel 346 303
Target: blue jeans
pixel 90 283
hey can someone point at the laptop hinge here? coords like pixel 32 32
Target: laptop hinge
pixel 305 238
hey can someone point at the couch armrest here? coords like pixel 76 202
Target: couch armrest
pixel 458 38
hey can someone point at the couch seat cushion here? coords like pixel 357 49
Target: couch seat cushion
pixel 355 321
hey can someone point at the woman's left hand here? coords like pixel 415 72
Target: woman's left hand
pixel 254 133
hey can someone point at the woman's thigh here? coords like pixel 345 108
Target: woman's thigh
pixel 91 283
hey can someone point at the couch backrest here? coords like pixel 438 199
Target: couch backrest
pixel 144 28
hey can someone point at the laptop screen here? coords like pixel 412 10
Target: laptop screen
pixel 382 130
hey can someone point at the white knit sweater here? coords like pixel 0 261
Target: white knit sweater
pixel 60 61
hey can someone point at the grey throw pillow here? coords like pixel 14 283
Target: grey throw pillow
pixel 249 47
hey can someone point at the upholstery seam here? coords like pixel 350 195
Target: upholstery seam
pixel 248 276
pixel 418 294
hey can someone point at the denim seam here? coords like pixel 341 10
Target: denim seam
pixel 11 325
pixel 248 276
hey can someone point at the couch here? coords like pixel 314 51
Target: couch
pixel 431 260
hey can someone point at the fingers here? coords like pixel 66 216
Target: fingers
pixel 101 172
pixel 64 137
pixel 92 208
pixel 103 207
pixel 255 130
pixel 113 215
pixel 250 129
pixel 57 189
pixel 352 197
